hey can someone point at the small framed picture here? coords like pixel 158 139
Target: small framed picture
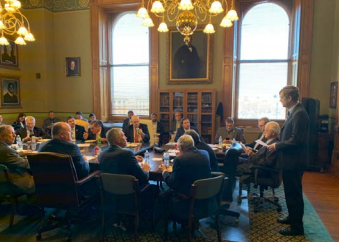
pixel 333 95
pixel 9 56
pixel 10 91
pixel 73 66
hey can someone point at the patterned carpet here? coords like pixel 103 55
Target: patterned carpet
pixel 263 227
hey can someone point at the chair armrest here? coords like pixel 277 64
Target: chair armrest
pixel 215 173
pixel 87 178
pixel 144 188
pixel 264 168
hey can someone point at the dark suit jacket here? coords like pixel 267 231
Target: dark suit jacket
pixel 213 158
pixel 17 125
pixel 174 126
pixel 129 133
pixel 188 167
pixel 236 133
pixel 181 131
pixel 79 132
pixel 102 134
pixel 38 132
pixel 125 123
pixel 22 180
pixel 254 143
pixel 68 148
pixel 10 99
pixel 292 148
pixel 119 161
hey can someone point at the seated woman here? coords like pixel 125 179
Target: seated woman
pixel 20 122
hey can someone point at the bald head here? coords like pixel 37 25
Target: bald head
pixel 7 134
pixel 135 121
pixel 62 130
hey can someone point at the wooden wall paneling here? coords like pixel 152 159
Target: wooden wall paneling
pixel 154 68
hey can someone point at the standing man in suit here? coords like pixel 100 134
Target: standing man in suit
pixel 137 132
pixel 229 133
pixel 185 126
pixel 261 125
pixel 31 130
pixel 61 143
pixel 78 131
pixel 127 121
pixel 96 130
pixel 293 158
pixel 176 123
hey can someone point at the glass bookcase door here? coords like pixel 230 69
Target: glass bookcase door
pixel 178 101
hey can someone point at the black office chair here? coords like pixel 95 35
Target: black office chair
pixel 229 168
pixel 271 178
pixel 57 186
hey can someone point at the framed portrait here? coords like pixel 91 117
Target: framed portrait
pixel 73 66
pixel 189 62
pixel 9 56
pixel 333 94
pixel 10 91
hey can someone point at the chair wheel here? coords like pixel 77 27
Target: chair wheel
pixel 38 237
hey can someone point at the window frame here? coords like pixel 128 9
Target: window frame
pixel 243 11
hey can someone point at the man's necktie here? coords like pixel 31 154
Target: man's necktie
pixel 288 115
pixel 136 137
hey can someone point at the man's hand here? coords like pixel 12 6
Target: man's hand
pixel 26 139
pixel 139 158
pixel 271 147
pixel 85 135
pixel 103 140
pixel 146 167
pixel 163 168
pixel 250 152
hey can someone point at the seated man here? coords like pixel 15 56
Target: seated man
pixel 92 117
pixel 61 143
pixel 176 123
pixel 229 133
pixel 191 165
pixel 78 131
pixel 185 126
pixel 79 116
pixel 158 128
pixel 116 160
pixel 96 130
pixel 201 145
pixel 31 130
pixel 263 157
pixel 47 124
pixel 18 166
pixel 137 132
pixel 261 125
pixel 127 121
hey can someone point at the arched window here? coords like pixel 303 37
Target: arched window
pixel 264 61
pixel 130 70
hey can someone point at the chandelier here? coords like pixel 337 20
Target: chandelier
pixel 187 13
pixel 12 22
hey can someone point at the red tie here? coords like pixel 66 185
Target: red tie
pixel 136 137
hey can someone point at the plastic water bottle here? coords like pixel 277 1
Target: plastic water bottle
pixel 146 157
pixel 166 158
pixel 233 141
pixel 19 142
pixel 99 140
pixel 33 143
pixel 220 142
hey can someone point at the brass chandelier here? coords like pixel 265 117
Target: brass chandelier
pixel 13 22
pixel 187 13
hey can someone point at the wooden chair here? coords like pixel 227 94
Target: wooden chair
pixel 57 186
pixel 204 201
pixel 7 192
pixel 114 189
pixel 273 179
pixel 82 123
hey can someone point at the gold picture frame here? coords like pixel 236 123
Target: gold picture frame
pixel 10 91
pixel 189 64
pixel 73 67
pixel 9 56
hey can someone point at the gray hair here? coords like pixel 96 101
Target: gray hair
pixel 4 130
pixel 112 135
pixel 30 118
pixel 194 135
pixel 274 126
pixel 186 141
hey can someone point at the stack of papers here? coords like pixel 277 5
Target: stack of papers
pixel 173 152
pixel 132 145
pixel 84 145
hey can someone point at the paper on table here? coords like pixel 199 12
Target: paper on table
pixel 156 159
pixel 90 157
pixel 213 145
pixel 259 142
pixel 84 145
pixel 130 145
pixel 171 143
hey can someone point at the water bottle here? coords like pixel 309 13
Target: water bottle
pixel 220 143
pixel 146 157
pixel 19 142
pixel 33 143
pixel 99 140
pixel 166 158
pixel 233 141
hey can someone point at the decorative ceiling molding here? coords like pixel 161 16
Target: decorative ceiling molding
pixel 56 5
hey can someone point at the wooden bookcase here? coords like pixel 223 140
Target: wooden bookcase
pixel 197 105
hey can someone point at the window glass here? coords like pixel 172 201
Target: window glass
pixel 130 71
